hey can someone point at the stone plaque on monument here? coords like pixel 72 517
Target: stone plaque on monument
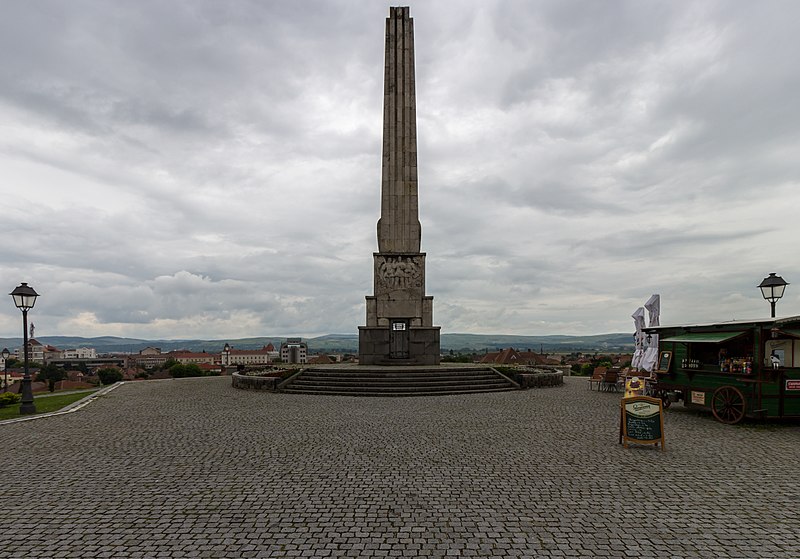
pixel 399 326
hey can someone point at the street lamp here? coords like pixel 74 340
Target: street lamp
pixel 24 299
pixel 772 289
pixel 226 352
pixel 6 354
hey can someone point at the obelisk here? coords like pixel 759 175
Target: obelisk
pixel 399 326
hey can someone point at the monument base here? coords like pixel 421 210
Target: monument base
pixel 415 346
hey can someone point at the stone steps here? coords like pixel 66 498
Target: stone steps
pixel 376 381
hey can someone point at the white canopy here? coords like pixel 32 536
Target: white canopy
pixel 638 321
pixel 653 306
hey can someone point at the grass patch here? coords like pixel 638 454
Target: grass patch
pixel 46 404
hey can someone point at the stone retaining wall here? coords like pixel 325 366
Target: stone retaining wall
pixel 252 382
pixel 540 379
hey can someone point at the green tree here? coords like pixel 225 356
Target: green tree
pixel 52 374
pixel 109 375
pixel 194 370
pixel 181 371
pixel 460 358
pixel 177 370
pixel 169 363
pixel 12 362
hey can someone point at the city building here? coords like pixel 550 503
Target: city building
pixel 38 352
pixel 79 353
pixel 148 358
pixel 192 357
pixel 247 357
pixel 294 350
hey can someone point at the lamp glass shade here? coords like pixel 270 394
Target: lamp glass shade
pixel 24 297
pixel 772 287
pixel 5 353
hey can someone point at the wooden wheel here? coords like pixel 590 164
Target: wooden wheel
pixel 728 404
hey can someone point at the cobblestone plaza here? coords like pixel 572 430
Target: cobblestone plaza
pixel 195 468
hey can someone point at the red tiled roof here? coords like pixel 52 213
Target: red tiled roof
pixel 320 360
pixel 510 356
pixel 189 354
pixel 490 357
pixel 249 352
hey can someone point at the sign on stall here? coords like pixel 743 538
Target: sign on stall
pixel 698 398
pixel 641 421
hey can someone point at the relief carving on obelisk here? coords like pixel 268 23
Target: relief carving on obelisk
pixel 398 272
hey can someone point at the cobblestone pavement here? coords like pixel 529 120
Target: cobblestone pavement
pixel 195 468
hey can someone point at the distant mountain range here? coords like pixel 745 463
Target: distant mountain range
pixel 347 343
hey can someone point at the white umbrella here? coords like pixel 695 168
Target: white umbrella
pixel 638 321
pixel 653 306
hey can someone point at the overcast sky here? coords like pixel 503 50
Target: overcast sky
pixel 184 169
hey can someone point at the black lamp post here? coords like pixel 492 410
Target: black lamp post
pixel 226 352
pixel 772 289
pixel 24 299
pixel 6 354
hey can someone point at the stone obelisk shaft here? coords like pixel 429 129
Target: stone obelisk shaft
pixel 398 227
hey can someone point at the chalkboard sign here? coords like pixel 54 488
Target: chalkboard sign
pixel 663 361
pixel 641 421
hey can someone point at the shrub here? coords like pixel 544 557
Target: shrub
pixel 9 398
pixel 460 358
pixel 109 375
pixel 183 371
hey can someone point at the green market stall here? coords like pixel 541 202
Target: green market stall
pixel 734 369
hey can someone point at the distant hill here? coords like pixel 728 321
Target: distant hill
pixel 560 343
pixel 108 344
pixel 347 343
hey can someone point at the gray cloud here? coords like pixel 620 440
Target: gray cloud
pixel 213 169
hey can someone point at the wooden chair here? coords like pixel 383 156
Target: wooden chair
pixel 621 378
pixel 597 377
pixel 609 383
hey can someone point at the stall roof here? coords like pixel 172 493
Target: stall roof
pixel 704 337
pixel 734 323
